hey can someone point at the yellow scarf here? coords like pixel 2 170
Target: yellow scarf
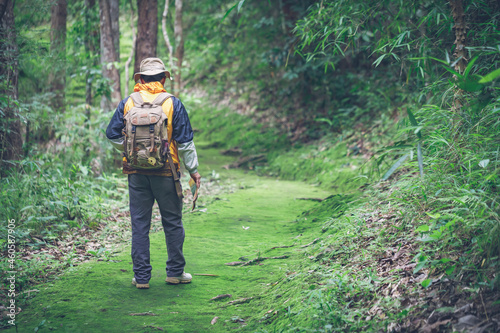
pixel 152 87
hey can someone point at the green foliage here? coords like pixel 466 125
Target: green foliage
pixel 256 138
pixel 67 187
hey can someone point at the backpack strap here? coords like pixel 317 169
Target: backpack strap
pixel 137 98
pixel 177 181
pixel 161 98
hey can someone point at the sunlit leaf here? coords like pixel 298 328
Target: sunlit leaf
pixel 419 266
pixel 422 228
pixel 490 77
pixel 426 283
pixel 484 163
pixel 240 4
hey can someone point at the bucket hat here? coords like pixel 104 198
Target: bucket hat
pixel 151 66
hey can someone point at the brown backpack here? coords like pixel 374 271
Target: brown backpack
pixel 146 145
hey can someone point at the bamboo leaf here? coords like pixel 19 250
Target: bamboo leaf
pixel 490 77
pixel 396 165
pixel 414 123
pixel 379 60
pixel 453 72
pixel 426 283
pixel 420 159
pixel 469 66
pixel 229 11
pixel 240 4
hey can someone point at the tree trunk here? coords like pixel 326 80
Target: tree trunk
pixel 179 43
pixel 10 125
pixel 57 76
pixel 89 50
pixel 132 51
pixel 147 31
pixel 109 56
pixel 114 7
pixel 167 42
pixel 457 11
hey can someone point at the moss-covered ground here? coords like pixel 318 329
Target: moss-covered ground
pixel 261 214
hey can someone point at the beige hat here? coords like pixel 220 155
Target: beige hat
pixel 151 66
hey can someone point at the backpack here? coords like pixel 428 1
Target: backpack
pixel 146 137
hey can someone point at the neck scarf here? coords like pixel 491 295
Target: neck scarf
pixel 152 87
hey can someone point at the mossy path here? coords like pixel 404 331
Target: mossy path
pixel 98 297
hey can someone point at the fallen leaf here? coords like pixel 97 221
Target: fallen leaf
pixel 214 321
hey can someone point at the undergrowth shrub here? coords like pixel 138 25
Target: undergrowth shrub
pixel 456 201
pixel 64 185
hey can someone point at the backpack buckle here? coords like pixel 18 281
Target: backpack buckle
pixel 133 128
pixel 151 128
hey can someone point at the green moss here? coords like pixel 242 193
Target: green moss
pixel 98 296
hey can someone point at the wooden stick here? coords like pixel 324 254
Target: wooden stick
pixel 262 259
pixel 312 199
pixel 282 247
pixel 314 241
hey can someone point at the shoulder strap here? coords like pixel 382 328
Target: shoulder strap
pixel 161 98
pixel 178 187
pixel 137 99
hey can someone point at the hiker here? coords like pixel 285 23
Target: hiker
pixel 152 129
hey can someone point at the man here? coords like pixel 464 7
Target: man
pixel 146 186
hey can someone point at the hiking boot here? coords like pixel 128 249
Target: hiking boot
pixel 140 285
pixel 184 278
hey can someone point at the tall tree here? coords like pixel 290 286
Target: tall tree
pixel 90 49
pixel 457 11
pixel 10 126
pixel 147 31
pixel 167 42
pixel 57 76
pixel 134 40
pixel 179 43
pixel 109 51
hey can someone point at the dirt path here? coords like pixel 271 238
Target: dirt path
pixel 98 296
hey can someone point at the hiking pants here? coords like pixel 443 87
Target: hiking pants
pixel 143 191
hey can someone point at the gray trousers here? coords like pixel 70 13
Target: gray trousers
pixel 143 191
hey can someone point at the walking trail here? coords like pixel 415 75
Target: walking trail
pixel 246 224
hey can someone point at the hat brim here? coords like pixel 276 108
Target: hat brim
pixel 137 76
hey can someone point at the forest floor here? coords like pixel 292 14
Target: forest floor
pixel 349 262
pixel 97 296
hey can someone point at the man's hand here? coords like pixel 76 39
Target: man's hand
pixel 197 178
